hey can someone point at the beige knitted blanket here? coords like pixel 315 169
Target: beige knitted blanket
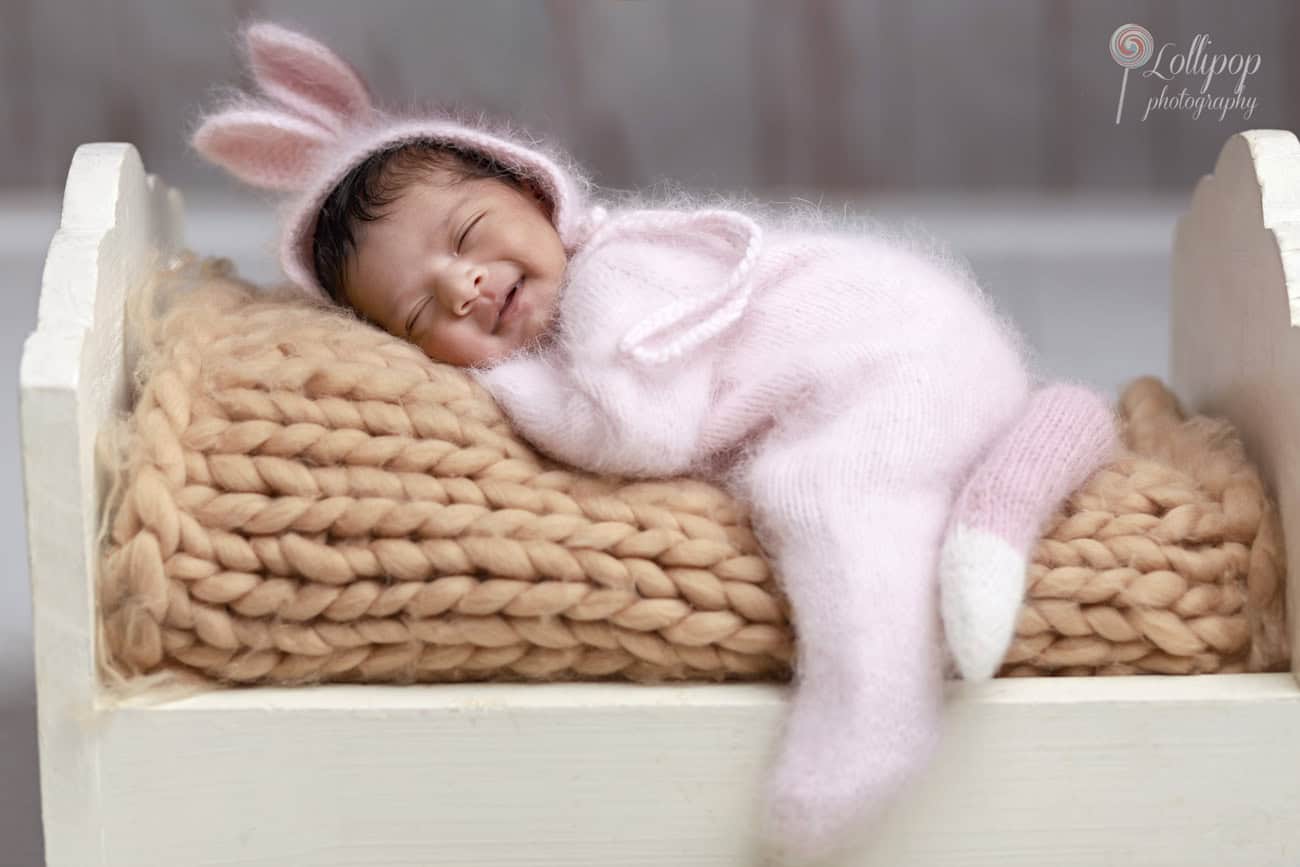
pixel 301 498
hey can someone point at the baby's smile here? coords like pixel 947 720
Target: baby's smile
pixel 509 307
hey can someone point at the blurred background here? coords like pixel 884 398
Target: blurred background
pixel 991 125
pixel 863 95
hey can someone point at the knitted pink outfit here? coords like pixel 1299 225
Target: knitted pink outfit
pixel 868 403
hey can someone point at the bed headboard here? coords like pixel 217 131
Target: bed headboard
pixel 117 223
pixel 1235 311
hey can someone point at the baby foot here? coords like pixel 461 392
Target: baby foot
pixel 845 755
pixel 1065 433
pixel 982 587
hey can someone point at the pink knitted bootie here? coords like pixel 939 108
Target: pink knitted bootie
pixel 1065 434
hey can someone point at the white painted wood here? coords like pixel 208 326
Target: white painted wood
pixel 1067 771
pixel 73 377
pixel 1235 316
pixel 1061 771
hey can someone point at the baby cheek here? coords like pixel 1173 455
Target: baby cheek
pixel 458 346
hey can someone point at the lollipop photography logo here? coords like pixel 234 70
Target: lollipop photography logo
pixel 1132 47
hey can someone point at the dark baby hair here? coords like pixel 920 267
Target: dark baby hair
pixel 374 184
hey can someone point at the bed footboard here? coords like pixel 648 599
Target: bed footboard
pixel 1235 316
pixel 1140 770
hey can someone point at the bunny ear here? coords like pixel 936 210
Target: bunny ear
pixel 263 147
pixel 306 76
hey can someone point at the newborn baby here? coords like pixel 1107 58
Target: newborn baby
pixel 863 397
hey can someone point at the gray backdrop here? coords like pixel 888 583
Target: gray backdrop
pixel 864 94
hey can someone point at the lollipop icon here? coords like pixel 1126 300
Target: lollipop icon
pixel 1131 46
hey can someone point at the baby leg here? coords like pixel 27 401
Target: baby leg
pixel 852 510
pixel 1064 435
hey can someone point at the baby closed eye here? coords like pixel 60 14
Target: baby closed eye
pixel 465 234
pixel 413 320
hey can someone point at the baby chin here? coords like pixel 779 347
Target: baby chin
pixel 534 317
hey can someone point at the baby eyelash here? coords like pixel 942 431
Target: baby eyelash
pixel 465 234
pixel 419 308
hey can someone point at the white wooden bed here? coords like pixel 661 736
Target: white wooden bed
pixel 1129 770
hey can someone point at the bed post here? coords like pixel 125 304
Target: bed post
pixel 73 378
pixel 1235 316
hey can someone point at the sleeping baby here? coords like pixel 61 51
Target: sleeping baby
pixel 858 391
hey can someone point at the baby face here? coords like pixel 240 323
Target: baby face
pixel 468 272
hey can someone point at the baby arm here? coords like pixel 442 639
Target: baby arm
pixel 604 416
pixel 628 384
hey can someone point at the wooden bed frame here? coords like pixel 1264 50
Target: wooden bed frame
pixel 1127 770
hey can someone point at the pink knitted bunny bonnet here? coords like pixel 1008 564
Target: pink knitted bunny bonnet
pixel 315 121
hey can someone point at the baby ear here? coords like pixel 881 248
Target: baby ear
pixel 262 146
pixel 305 76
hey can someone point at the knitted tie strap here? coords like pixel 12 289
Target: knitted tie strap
pixel 739 232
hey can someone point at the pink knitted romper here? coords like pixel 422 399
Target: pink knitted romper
pixel 877 415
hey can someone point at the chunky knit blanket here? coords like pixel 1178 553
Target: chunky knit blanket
pixel 299 497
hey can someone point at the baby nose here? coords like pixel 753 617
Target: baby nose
pixel 459 285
